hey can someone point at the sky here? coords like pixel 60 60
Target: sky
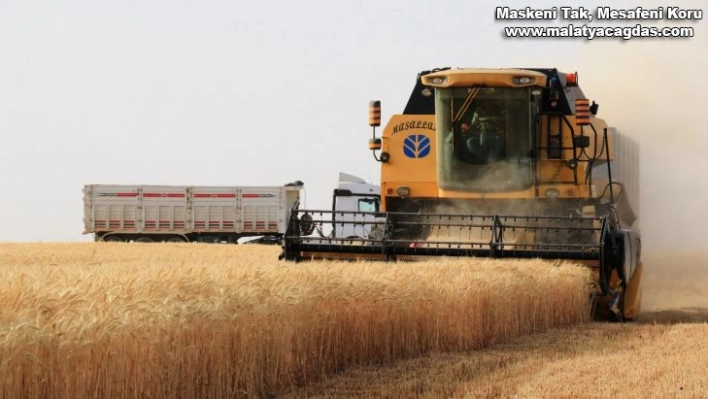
pixel 268 92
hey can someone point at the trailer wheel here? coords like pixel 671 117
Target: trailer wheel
pixel 175 239
pixel 144 239
pixel 112 238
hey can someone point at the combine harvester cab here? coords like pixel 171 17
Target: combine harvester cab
pixel 501 163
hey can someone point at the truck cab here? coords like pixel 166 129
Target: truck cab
pixel 354 204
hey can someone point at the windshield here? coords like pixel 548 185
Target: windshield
pixel 369 205
pixel 484 138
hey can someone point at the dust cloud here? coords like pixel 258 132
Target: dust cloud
pixel 653 91
pixel 675 287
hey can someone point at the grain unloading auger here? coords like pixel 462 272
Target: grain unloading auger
pixel 500 163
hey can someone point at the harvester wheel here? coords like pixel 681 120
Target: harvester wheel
pixel 602 309
pixel 593 300
pixel 621 317
pixel 307 226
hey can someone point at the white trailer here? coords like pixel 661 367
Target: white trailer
pixel 146 213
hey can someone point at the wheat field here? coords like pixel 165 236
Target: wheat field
pixel 663 354
pixel 186 320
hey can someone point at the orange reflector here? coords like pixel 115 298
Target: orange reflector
pixel 571 79
pixel 582 111
pixel 375 144
pixel 375 113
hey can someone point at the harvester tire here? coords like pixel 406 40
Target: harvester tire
pixel 307 226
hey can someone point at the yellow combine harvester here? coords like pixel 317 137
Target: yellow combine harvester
pixel 501 163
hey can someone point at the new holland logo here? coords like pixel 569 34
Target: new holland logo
pixel 416 146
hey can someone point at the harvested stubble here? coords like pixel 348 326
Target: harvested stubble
pixel 183 320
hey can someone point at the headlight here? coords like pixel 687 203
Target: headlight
pixel 434 80
pixel 552 193
pixel 403 191
pixel 523 80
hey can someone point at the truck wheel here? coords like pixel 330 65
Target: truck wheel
pixel 144 239
pixel 112 238
pixel 175 239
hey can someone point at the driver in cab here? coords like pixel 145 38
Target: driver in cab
pixel 484 135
